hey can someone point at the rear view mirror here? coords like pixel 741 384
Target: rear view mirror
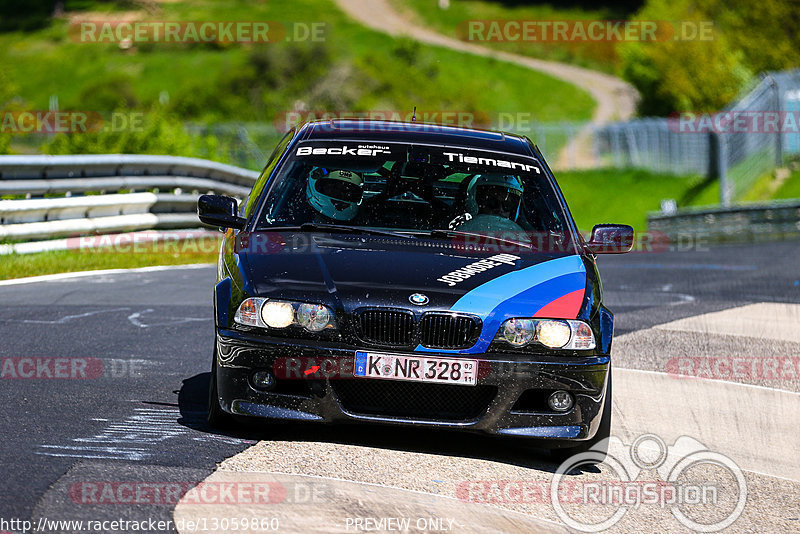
pixel 611 239
pixel 218 210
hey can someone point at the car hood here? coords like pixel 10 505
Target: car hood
pixel 348 272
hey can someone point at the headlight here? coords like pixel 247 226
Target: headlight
pixel 552 333
pixel 279 314
pixel 314 317
pixel 518 332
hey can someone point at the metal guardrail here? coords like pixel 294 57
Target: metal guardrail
pixel 117 183
pixel 747 223
pixel 163 204
pixel 736 146
pixel 57 217
pixel 121 165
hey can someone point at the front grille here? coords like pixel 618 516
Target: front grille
pixel 413 400
pixel 386 327
pixel 448 331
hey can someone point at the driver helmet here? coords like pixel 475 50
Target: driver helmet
pixel 495 194
pixel 336 194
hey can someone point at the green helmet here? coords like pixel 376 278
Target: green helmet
pixel 495 194
pixel 336 195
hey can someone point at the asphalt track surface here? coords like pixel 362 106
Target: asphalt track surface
pixel 142 419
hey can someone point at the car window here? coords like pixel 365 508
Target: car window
pixel 263 178
pixel 414 188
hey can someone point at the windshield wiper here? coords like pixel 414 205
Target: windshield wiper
pixel 444 234
pixel 335 228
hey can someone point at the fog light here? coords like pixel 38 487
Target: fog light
pixel 560 401
pixel 262 380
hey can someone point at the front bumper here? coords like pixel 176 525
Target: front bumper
pixel 509 399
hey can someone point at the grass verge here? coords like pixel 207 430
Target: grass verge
pixel 351 68
pixel 790 188
pixel 597 55
pixel 625 196
pixel 140 255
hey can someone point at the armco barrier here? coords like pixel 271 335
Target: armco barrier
pixel 168 185
pixel 120 165
pixel 747 223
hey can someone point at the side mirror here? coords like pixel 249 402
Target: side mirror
pixel 218 210
pixel 611 239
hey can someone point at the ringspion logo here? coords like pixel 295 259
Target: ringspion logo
pixel 689 480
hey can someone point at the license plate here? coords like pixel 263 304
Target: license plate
pixel 416 368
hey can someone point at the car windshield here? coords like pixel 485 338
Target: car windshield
pixel 416 189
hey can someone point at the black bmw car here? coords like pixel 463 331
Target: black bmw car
pixel 412 274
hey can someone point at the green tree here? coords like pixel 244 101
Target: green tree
pixel 680 75
pixel 151 132
pixel 7 91
pixel 767 33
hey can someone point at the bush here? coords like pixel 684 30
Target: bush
pixel 269 79
pixel 767 33
pixel 7 91
pixel 112 92
pixel 158 133
pixel 706 75
pixel 674 76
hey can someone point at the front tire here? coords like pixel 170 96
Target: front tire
pixel 217 417
pixel 598 450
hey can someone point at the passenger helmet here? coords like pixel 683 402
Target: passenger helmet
pixel 495 194
pixel 336 194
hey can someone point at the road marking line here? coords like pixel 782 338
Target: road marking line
pixel 754 425
pixel 81 274
pixel 765 320
pixel 70 317
pixel 135 319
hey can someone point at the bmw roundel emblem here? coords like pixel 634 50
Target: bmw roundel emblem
pixel 419 299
